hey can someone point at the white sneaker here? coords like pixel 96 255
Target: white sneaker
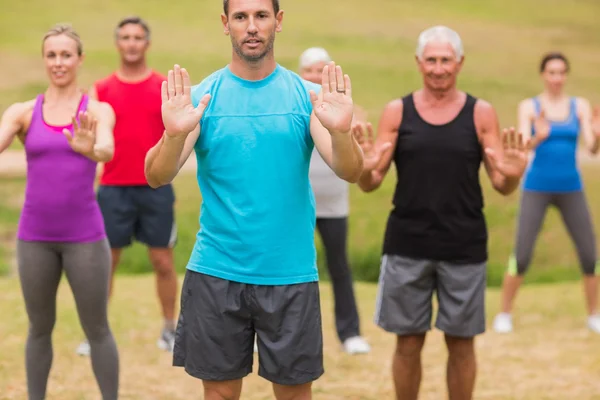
pixel 356 345
pixel 503 323
pixel 84 348
pixel 166 341
pixel 594 323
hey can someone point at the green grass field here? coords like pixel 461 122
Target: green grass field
pixel 551 356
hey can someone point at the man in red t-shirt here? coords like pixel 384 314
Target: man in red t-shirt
pixel 130 207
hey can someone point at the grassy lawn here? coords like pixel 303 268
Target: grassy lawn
pixel 550 356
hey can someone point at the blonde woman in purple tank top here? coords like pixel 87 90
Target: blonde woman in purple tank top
pixel 65 134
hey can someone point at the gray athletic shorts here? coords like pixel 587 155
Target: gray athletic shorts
pixel 406 286
pixel 218 320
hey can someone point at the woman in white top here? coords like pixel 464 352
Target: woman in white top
pixel 331 195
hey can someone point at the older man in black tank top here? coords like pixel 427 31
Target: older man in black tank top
pixel 436 236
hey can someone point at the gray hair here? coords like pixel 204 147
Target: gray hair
pixel 312 56
pixel 440 34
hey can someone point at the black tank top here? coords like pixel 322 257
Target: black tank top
pixel 438 204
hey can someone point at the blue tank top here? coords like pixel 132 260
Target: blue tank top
pixel 554 166
pixel 257 217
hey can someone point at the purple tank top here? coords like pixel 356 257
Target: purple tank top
pixel 60 202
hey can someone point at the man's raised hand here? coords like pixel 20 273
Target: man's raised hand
pixel 333 105
pixel 179 115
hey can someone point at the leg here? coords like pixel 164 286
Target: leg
pixel 406 366
pixel 225 390
pixel 461 316
pixel 166 282
pixel 576 216
pixel 120 217
pixel 289 337
pixel 404 308
pixel 297 392
pixel 462 367
pixel 39 273
pixel 531 215
pixel 158 231
pixel 214 336
pixel 334 233
pixel 87 266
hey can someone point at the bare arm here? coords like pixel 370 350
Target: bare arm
pixel 92 93
pixel 104 149
pixel 11 124
pixel 525 113
pixel 584 112
pixel 165 159
pixel 488 130
pixel 339 150
pixel 387 132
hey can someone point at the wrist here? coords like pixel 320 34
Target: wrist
pixel 336 133
pixel 175 137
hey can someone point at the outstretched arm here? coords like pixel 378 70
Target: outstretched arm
pixel 377 157
pixel 505 156
pixel 331 124
pixel 11 124
pixel 588 119
pixel 181 120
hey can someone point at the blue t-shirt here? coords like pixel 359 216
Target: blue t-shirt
pixel 554 166
pixel 257 217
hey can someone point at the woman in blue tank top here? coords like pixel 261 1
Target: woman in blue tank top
pixel 555 122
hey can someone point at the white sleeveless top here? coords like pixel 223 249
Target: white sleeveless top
pixel 331 192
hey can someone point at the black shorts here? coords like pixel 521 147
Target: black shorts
pixel 139 212
pixel 218 320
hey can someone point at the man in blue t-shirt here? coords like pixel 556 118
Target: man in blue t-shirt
pixel 253 125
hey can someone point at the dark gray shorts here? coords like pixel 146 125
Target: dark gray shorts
pixel 139 212
pixel 219 319
pixel 406 286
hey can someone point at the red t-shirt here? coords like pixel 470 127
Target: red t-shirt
pixel 137 129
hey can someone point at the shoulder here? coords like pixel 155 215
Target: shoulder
pixel 18 111
pixel 205 86
pixel 100 109
pixel 583 105
pixel 295 80
pixel 392 113
pixel 484 107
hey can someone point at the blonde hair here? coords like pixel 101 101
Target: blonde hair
pixel 67 30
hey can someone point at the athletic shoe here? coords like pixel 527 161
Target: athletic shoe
pixel 84 349
pixel 503 323
pixel 594 323
pixel 356 345
pixel 166 341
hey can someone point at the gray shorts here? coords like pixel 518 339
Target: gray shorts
pixel 406 286
pixel 218 321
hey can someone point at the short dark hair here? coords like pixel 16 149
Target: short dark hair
pixel 135 21
pixel 226 6
pixel 554 55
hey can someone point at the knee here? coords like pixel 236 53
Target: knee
pixel 410 346
pixel 40 327
pixel 295 392
pixel 97 331
pixel 162 262
pixel 460 347
pixel 228 390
